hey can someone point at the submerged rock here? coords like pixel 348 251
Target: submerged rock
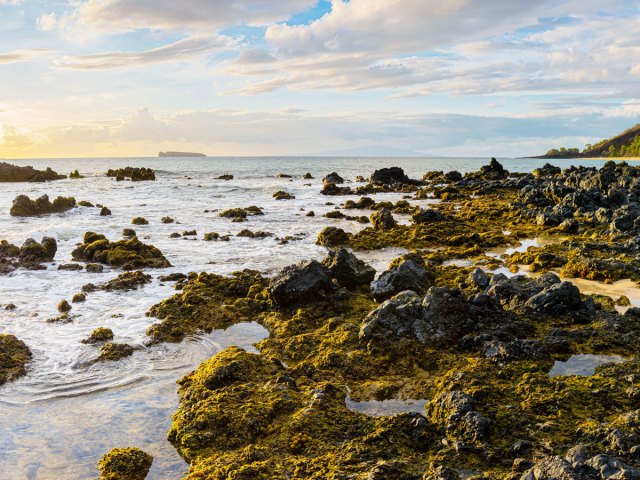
pixel 306 281
pixel 113 352
pixel 133 173
pixel 127 281
pixel 14 357
pixel 427 216
pixel 348 270
pixel 125 464
pixel 99 335
pixel 23 206
pixel 383 220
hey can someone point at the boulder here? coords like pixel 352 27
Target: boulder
pixel 14 173
pixel 559 298
pixel 332 178
pixel 300 283
pixel 407 273
pixel 14 356
pixel 348 270
pixel 332 237
pixel 125 464
pixel 389 176
pixel 427 216
pixel 383 220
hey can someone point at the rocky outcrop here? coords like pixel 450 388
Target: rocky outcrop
pixel 23 206
pixel 129 254
pixel 14 357
pixel 383 220
pixel 332 237
pixel 31 255
pixel 348 270
pixel 14 173
pixel 133 173
pixel 406 273
pixel 306 281
pixel 125 464
pixel 389 176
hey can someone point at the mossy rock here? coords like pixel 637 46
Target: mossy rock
pixel 99 335
pixel 14 357
pixel 128 254
pixel 125 464
pixel 115 351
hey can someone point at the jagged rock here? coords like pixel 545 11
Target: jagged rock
pixel 300 283
pixel 14 173
pixel 389 176
pixel 127 281
pixel 332 237
pixel 128 232
pixel 408 273
pixel 105 212
pixel 348 270
pixel 23 206
pixel 333 178
pixel 167 220
pixel 546 170
pixel 127 254
pixel 455 411
pixel 559 298
pixel 32 252
pixel 64 307
pixel 383 220
pixel 135 174
pixel 479 278
pixel 282 195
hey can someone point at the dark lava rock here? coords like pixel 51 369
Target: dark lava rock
pixel 225 177
pixel 455 411
pixel 71 267
pixel 479 278
pixel 14 173
pixel 383 220
pixel 114 352
pixel 334 189
pixel 64 307
pixel 128 232
pixel 79 298
pixel 167 220
pixel 307 176
pixel 23 206
pixel 559 298
pixel 125 464
pixel 493 171
pixel 546 170
pixel 135 174
pixel 300 283
pixel 408 273
pixel 32 252
pixel 427 216
pixel 332 237
pixel 105 212
pixel 348 270
pixel 94 268
pixel 389 176
pixel 333 178
pixel 172 277
pixel 140 221
pixel 127 254
pixel 14 356
pixel 281 195
pixel 99 335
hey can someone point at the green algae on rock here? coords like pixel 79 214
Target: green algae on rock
pixel 125 464
pixel 113 352
pixel 99 335
pixel 127 254
pixel 14 357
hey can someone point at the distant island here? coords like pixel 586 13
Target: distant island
pixel 624 145
pixel 180 154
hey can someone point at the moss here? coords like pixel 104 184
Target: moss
pixel 208 302
pixel 127 254
pixel 140 221
pixel 125 464
pixel 99 335
pixel 14 357
pixel 127 281
pixel 115 351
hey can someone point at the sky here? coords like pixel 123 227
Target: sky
pixel 100 78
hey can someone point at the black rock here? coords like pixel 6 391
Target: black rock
pixel 348 270
pixel 300 283
pixel 389 176
pixel 410 273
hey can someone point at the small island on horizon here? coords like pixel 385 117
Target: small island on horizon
pixel 180 154
pixel 624 145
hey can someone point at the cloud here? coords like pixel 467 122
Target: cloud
pixel 47 22
pixel 187 15
pixel 181 50
pixel 20 55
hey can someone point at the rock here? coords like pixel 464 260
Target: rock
pixel 13 173
pixel 99 335
pixel 333 189
pixel 125 464
pixel 84 203
pixel 479 278
pixel 559 298
pixel 546 170
pixel 190 233
pixel 128 232
pixel 493 171
pixel 127 254
pixel 383 220
pixel 175 235
pixel 64 307
pixel 70 267
pixel 225 177
pixel 23 206
pixel 408 273
pixel 427 216
pixel 75 175
pixel 612 468
pixel 310 213
pixel 307 176
pixel 332 237
pixel 94 268
pixel 249 234
pixel 234 213
pixel 127 281
pixel 167 220
pixel 79 298
pixel 281 195
pixel 115 351
pixel 333 178
pixel 135 174
pixel 348 270
pixel 105 212
pixel 300 283
pixel 570 225
pixel 554 468
pixel 389 176
pixel 455 411
pixel 32 253
pixel 172 277
pixel 140 221
pixel 14 357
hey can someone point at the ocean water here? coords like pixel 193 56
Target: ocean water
pixel 64 415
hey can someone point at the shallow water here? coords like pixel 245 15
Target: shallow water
pixel 63 416
pixel 381 408
pixel 582 365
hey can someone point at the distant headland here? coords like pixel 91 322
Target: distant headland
pixel 624 145
pixel 180 154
